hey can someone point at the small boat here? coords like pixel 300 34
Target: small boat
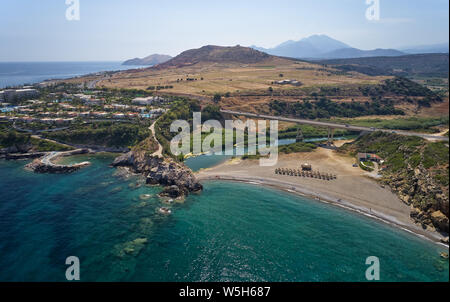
pixel 165 211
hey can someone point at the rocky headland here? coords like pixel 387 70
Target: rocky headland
pixel 176 177
pixel 45 165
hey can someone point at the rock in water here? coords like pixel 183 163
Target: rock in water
pixel 172 191
pixel 163 171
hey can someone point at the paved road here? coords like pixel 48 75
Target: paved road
pixel 334 125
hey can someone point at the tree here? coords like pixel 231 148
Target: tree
pixel 217 97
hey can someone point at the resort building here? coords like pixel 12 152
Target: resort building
pixel 362 157
pixel 306 167
pixel 289 82
pixel 11 95
pixel 148 100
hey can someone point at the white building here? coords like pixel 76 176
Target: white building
pixel 10 95
pixel 148 100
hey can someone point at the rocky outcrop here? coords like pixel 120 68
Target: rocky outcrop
pixel 39 167
pixel 417 188
pixel 45 165
pixel 178 178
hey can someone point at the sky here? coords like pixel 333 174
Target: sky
pixel 115 30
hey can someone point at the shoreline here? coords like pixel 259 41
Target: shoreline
pixel 354 190
pixel 301 190
pixel 434 237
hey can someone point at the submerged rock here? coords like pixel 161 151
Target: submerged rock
pixel 172 191
pixel 132 248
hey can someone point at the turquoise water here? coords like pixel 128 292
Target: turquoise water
pixel 230 232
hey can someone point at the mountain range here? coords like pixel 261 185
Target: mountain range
pixel 316 47
pixel 324 47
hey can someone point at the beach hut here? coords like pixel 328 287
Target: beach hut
pixel 306 167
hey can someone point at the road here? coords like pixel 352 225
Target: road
pixel 160 148
pixel 334 125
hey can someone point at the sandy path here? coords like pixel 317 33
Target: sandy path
pixel 160 148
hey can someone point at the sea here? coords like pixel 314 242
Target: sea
pixel 23 73
pixel 229 232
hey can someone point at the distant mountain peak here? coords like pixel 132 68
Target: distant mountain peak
pixel 308 47
pixel 321 46
pixel 150 60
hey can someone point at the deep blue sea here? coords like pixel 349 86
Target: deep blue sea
pixel 20 73
pixel 230 232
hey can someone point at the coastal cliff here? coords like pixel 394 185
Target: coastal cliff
pixel 430 203
pixel 178 179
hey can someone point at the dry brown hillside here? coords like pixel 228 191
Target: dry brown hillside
pixel 214 69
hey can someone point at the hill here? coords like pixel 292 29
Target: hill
pixel 346 53
pixel 149 60
pixel 237 70
pixel 435 48
pixel 426 65
pixel 216 54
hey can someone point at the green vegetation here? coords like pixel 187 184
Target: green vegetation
pixel 311 132
pixel 325 108
pixel 435 154
pixel 286 149
pixel 401 152
pixel 420 124
pixel 297 148
pixel 42 145
pixel 366 166
pixel 106 134
pixel 217 97
pixel 181 109
pixel 424 65
pixel 26 143
pixel 148 145
pixel 402 87
pixel 9 138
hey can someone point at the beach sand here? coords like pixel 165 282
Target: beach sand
pixel 353 189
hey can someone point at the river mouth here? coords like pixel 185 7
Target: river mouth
pixel 204 161
pixel 230 232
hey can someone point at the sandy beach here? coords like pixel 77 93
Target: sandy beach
pixel 354 189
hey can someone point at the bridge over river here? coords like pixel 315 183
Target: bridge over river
pixel 332 126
